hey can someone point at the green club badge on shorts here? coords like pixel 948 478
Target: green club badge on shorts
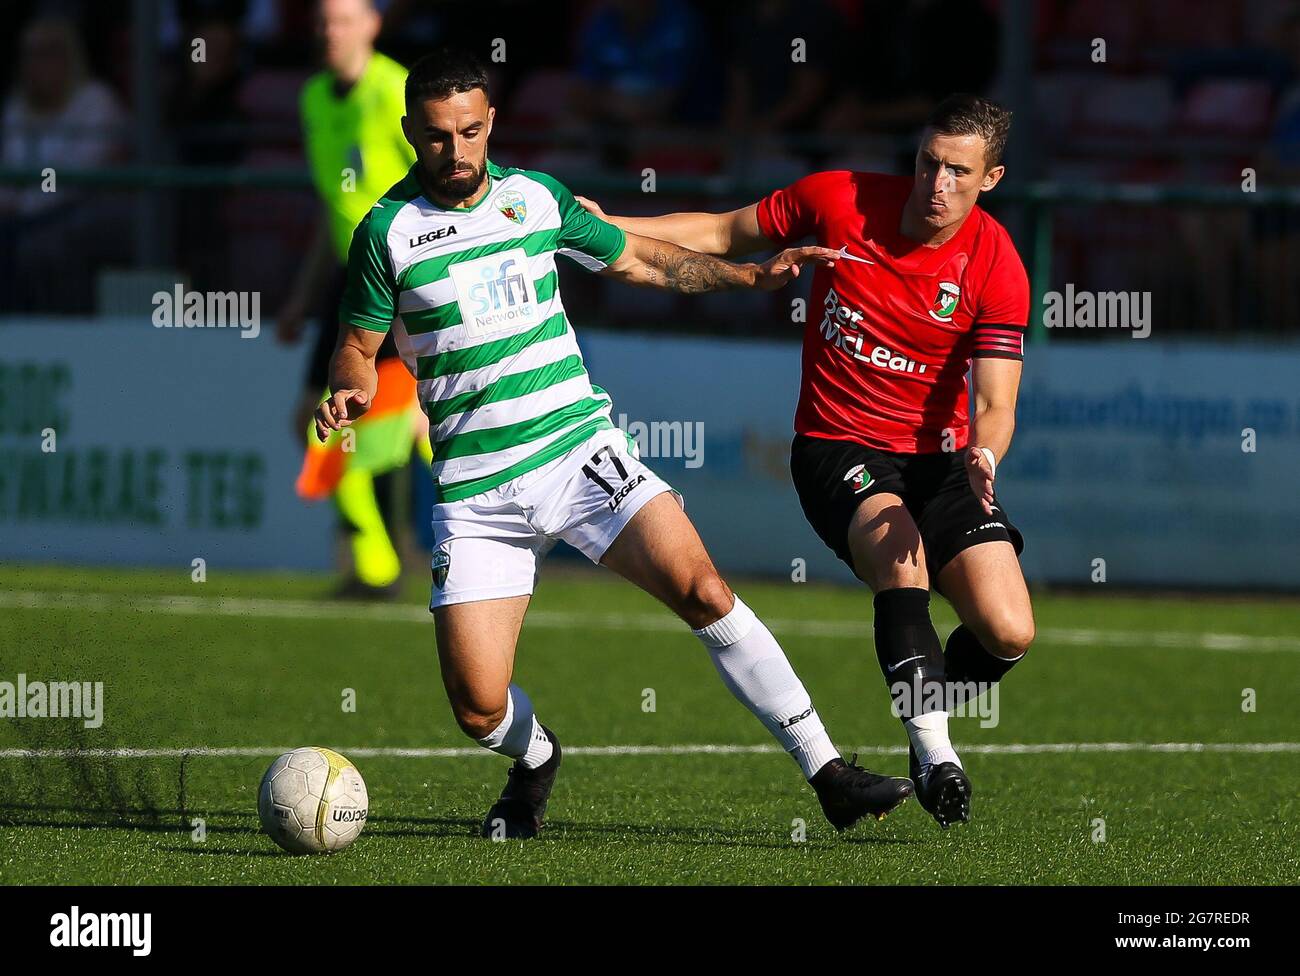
pixel 441 565
pixel 859 478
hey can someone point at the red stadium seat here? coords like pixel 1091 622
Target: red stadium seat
pixel 541 99
pixel 1191 23
pixel 273 94
pixel 1231 107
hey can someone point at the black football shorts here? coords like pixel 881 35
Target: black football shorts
pixel 833 478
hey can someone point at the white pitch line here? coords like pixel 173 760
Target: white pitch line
pixel 705 749
pixel 562 620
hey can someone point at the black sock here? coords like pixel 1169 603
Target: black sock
pixel 969 661
pixel 908 649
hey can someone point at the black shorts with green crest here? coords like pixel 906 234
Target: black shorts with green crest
pixel 834 477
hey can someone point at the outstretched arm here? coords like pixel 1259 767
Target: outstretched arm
pixel 729 235
pixel 660 264
pixel 353 379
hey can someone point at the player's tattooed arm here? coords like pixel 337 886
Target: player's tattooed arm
pixel 353 380
pixel 659 264
pixel 669 266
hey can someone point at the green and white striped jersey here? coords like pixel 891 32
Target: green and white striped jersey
pixel 473 299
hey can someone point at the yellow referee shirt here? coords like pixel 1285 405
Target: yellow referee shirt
pixel 359 133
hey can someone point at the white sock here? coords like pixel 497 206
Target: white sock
pixel 519 735
pixel 755 670
pixel 929 735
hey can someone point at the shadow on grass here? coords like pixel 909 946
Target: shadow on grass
pixel 714 836
pixel 152 820
pixel 675 834
pixel 226 823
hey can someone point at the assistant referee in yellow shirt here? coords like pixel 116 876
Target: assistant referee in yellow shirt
pixel 351 118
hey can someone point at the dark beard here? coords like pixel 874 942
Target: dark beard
pixel 455 188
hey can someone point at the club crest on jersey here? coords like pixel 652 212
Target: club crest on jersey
pixel 512 205
pixel 945 303
pixel 441 566
pixel 859 478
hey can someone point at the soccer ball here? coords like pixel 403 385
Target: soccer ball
pixel 312 801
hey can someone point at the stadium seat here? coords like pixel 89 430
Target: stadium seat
pixel 269 100
pixel 268 228
pixel 1191 23
pixel 1141 105
pixel 1057 98
pixel 1118 22
pixel 541 99
pixel 1231 107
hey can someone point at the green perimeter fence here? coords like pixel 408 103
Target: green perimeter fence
pixel 1214 262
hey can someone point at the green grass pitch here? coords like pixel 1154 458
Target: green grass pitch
pixel 254 661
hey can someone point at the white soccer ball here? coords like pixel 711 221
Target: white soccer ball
pixel 312 801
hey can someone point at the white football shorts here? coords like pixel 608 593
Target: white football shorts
pixel 489 545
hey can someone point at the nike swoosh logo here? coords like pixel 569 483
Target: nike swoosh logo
pixel 844 253
pixel 895 667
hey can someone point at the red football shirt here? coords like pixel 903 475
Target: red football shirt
pixel 888 343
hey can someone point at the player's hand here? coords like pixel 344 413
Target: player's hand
pixel 779 271
pixel 592 207
pixel 980 473
pixel 340 409
pixel 290 322
pixel 303 412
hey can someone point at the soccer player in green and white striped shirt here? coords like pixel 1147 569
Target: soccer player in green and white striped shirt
pixel 458 260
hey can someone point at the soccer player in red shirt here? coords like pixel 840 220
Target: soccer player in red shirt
pixel 891 471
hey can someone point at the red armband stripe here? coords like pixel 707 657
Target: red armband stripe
pixel 999 341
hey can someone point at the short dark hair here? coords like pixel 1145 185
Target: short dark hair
pixel 447 71
pixel 962 114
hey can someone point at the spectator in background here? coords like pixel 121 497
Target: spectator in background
pixel 208 126
pixel 205 114
pixel 57 118
pixel 634 60
pixel 897 60
pixel 281 29
pixel 351 116
pixel 767 91
pixel 1276 231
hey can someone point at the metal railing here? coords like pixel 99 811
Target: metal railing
pixel 1216 261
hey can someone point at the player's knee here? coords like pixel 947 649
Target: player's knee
pixel 478 717
pixel 893 574
pixel 707 598
pixel 1010 636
